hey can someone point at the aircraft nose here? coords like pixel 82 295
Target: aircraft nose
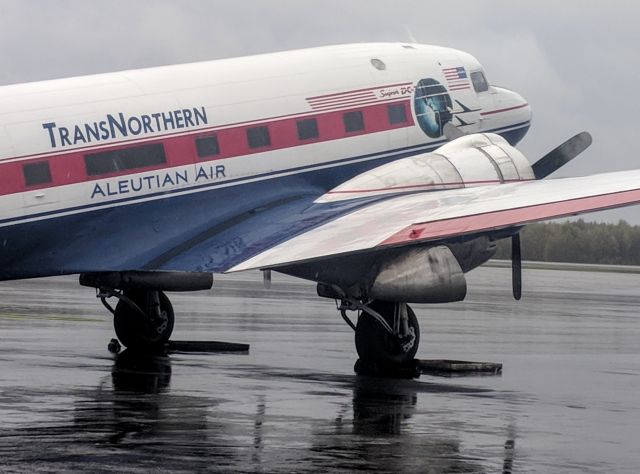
pixel 512 110
pixel 514 104
pixel 525 107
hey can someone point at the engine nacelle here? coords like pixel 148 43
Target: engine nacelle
pixel 417 275
pixel 472 160
pixel 422 275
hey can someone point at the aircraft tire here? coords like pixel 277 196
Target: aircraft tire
pixel 375 345
pixel 138 333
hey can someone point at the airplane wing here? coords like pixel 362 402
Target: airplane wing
pixel 439 215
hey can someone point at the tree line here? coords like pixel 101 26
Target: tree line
pixel 578 242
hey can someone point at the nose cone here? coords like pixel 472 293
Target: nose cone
pixel 511 115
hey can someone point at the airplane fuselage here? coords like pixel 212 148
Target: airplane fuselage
pixel 123 171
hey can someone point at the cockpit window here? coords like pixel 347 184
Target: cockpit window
pixel 480 83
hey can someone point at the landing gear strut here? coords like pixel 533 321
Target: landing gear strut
pixel 143 317
pixel 387 332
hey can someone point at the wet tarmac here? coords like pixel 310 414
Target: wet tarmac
pixel 568 399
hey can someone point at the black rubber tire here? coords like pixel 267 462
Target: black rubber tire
pixel 375 345
pixel 138 333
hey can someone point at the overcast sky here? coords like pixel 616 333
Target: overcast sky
pixel 577 63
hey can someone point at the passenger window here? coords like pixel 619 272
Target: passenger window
pixel 125 159
pixel 396 113
pixel 307 129
pixel 207 146
pixel 258 137
pixel 36 173
pixel 353 121
pixel 480 83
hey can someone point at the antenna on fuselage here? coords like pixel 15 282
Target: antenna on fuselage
pixel 412 38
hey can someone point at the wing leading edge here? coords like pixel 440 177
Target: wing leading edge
pixel 418 218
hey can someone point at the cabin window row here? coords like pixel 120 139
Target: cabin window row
pixel 125 159
pixel 307 129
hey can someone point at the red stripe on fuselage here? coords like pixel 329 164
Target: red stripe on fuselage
pixel 345 102
pixel 69 167
pixel 504 110
pixel 342 98
pixel 358 90
pixel 353 106
pixel 457 226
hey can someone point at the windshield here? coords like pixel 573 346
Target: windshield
pixel 479 81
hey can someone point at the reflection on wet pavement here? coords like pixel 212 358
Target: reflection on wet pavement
pixel 567 401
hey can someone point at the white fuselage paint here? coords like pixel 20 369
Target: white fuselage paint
pixel 46 120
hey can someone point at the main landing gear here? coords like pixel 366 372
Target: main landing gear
pixel 387 333
pixel 143 317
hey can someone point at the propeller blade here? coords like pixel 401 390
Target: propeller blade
pixel 266 278
pixel 516 267
pixel 561 155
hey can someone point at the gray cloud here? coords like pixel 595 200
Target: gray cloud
pixel 576 63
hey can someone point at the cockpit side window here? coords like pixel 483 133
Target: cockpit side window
pixel 480 83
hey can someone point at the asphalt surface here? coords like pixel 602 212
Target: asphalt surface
pixel 567 401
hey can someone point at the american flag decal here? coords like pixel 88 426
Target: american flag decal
pixel 456 78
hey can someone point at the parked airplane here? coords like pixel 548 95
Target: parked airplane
pixel 383 172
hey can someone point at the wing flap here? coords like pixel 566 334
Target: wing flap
pixel 422 217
